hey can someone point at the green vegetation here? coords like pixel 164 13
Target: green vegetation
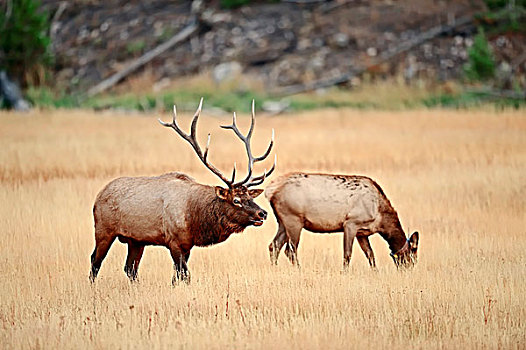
pixel 239 101
pixel 231 4
pixel 24 41
pixel 229 101
pixel 504 16
pixel 136 46
pixel 185 100
pixel 45 98
pixel 481 65
pixel 471 99
pixel 499 4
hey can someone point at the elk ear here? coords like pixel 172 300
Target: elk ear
pixel 413 241
pixel 255 193
pixel 222 192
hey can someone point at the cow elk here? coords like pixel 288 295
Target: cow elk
pixel 174 211
pixel 325 203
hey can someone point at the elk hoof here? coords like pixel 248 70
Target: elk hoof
pixel 273 254
pixel 182 279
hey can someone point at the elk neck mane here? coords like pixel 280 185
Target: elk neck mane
pixel 391 229
pixel 208 218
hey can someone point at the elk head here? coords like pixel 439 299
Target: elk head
pixel 240 199
pixel 407 255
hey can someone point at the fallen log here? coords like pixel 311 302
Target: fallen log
pixel 383 57
pixel 180 37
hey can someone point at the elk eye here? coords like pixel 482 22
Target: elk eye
pixel 237 201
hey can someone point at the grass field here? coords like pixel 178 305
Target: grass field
pixel 458 177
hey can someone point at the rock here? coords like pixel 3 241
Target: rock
pixel 226 71
pixel 11 94
pixel 411 68
pixel 340 40
pixel 447 63
pixel 304 43
pixel 262 35
pixel 389 36
pixel 502 41
pixel 275 107
pixel 104 26
pixel 161 84
pixel 94 34
pixel 503 75
pixel 355 81
pixel 236 31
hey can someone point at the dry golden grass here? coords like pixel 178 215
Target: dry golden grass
pixel 457 177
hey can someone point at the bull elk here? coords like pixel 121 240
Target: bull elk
pixel 325 203
pixel 174 211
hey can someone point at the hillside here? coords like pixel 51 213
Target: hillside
pixel 280 44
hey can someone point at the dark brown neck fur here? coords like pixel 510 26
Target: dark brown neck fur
pixel 208 219
pixel 391 229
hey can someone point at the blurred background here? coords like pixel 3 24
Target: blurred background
pixel 290 55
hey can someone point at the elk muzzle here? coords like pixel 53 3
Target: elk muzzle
pixel 261 215
pixel 405 257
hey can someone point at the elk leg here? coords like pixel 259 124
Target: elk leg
pixel 181 272
pixel 277 243
pixel 293 229
pixel 135 251
pixel 349 232
pixel 366 247
pixel 99 253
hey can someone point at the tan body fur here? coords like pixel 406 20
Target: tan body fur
pixel 174 211
pixel 170 210
pixel 325 203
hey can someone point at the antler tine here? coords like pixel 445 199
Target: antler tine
pixel 196 117
pixel 174 122
pixel 269 149
pixel 233 173
pixel 234 127
pixel 205 155
pixel 252 120
pixel 260 179
pixel 181 133
pixel 246 140
pixel 192 140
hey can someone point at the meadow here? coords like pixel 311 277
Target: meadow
pixel 458 177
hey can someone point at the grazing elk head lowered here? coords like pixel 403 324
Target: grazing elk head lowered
pixel 407 255
pixel 326 203
pixel 174 211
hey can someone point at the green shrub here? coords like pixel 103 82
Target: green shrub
pixel 231 4
pixel 498 4
pixel 46 98
pixel 24 40
pixel 481 65
pixel 135 46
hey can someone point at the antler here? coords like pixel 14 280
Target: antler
pixel 191 138
pixel 249 180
